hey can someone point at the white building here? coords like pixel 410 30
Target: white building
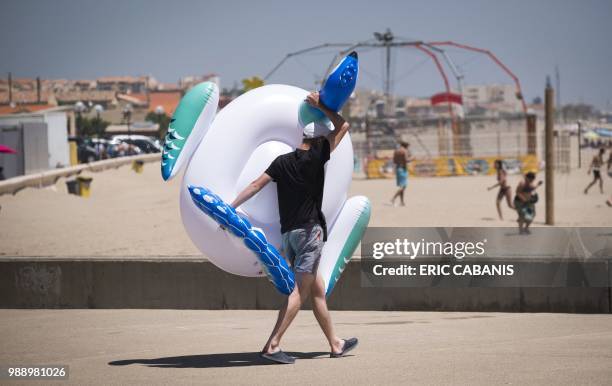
pixel 40 138
pixel 502 96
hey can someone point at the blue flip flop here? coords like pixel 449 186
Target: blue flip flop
pixel 349 344
pixel 279 357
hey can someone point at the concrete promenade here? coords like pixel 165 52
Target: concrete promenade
pixel 212 347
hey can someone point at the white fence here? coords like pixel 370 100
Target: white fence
pixel 50 177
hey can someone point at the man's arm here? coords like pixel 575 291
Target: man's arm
pixel 252 189
pixel 341 126
pixel 409 156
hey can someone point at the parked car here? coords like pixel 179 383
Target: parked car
pixel 100 145
pixel 85 151
pixel 144 143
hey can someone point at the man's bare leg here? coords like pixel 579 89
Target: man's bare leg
pixel 586 190
pixel 396 195
pixel 509 199
pixel 279 319
pixel 527 223
pixel 402 196
pixel 289 310
pixel 601 185
pixel 319 308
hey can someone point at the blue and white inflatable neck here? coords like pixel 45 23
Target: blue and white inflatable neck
pixel 274 264
pixel 336 90
pixel 340 83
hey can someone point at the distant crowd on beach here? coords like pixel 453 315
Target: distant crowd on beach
pixel 525 194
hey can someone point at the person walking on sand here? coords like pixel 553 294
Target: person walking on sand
pixel 504 188
pixel 596 165
pixel 525 200
pixel 299 178
pixel 401 157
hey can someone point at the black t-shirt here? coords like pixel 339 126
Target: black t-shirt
pixel 299 178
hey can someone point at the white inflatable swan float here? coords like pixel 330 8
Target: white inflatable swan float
pixel 224 152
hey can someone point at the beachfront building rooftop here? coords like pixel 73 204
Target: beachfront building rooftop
pixel 501 97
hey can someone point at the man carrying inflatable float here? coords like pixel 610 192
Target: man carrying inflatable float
pixel 298 140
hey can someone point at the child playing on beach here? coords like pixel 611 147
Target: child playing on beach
pixel 596 165
pixel 504 188
pixel 525 201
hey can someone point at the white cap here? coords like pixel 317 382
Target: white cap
pixel 318 129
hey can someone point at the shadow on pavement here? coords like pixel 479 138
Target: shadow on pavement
pixel 237 359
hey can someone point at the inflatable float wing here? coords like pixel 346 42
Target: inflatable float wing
pixel 188 126
pixel 344 237
pixel 232 150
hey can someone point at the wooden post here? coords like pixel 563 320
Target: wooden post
pixel 532 143
pixel 579 144
pixel 442 140
pixel 550 167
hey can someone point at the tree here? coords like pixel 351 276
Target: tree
pixel 162 120
pixel 251 83
pixel 90 127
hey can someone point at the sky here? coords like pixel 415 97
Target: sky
pixel 86 39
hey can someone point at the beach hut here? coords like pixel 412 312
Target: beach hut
pixel 39 138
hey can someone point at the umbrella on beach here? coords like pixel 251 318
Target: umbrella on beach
pixel 7 150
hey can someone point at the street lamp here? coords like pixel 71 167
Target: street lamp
pixel 98 108
pixel 79 108
pixel 127 116
pixel 160 113
pixel 386 39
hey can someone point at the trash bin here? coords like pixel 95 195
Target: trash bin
pixel 73 186
pixel 137 166
pixel 84 186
